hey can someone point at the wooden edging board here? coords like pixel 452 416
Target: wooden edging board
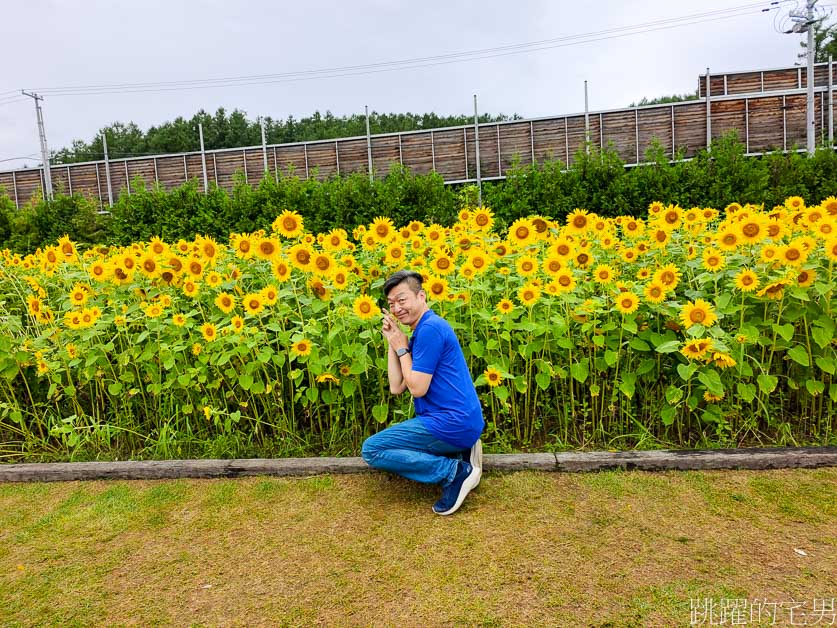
pixel 657 460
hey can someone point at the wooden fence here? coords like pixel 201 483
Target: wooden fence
pixel 766 107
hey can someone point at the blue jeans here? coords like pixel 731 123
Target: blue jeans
pixel 410 450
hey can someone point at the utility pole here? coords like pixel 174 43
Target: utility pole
pixel 42 138
pixel 804 23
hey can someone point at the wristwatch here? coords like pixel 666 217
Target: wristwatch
pixel 402 352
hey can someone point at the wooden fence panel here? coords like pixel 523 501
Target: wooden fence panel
pixel 728 115
pixel 171 171
pixel 690 128
pixel 86 182
pixel 765 120
pixel 654 124
pixel 550 140
pixel 417 152
pixel 620 132
pixel 323 159
pixel 61 181
pixel 354 156
pixel 515 144
pixel 227 164
pixel 385 152
pixel 118 181
pixel 255 165
pixel 142 168
pixel 576 134
pixel 291 160
pixel 194 168
pixel 450 154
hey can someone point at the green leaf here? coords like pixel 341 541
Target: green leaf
pixel 799 354
pixel 628 385
pixel 477 348
pixel 746 391
pixel 580 371
pixel 832 392
pixel 821 336
pixel 815 387
pixel 767 383
pixel 639 345
pixel 826 364
pixel 674 394
pixel 629 325
pixel 312 394
pixel 646 366
pixel 258 387
pixel 668 347
pixel 380 412
pixel 712 380
pixel 245 380
pixel 543 380
pixel 611 357
pixel 667 414
pixel 348 387
pixel 785 331
pixel 501 392
pixel 115 388
pixel 685 371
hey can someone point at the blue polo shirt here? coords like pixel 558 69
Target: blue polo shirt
pixel 451 409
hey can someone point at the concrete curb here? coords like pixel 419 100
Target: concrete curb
pixel 659 460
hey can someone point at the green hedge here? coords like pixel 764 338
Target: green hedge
pixel 598 181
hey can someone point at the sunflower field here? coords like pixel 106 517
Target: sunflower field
pixel 686 327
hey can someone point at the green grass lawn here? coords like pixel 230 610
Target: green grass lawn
pixel 603 549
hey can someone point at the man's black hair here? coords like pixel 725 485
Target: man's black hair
pixel 412 278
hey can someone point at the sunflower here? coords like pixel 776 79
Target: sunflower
pixel 806 278
pixel 191 288
pixel 668 276
pixel 578 221
pixel 529 294
pixel 775 290
pixel 479 259
pixel 769 253
pixel 178 320
pixel 237 324
pixel 713 260
pixel 302 257
pixel 67 247
pixel 34 304
pixel 792 254
pixel 722 360
pixel 526 266
pixel 629 254
pixel 505 306
pixel 795 202
pixel 552 266
pixel 214 279
pixel 335 240
pixel 672 216
pixel 493 377
pixel 604 274
pixel 654 292
pixel 627 302
pixel 696 349
pixel 699 312
pixel 98 270
pixel 655 208
pixel 562 248
pixel 253 303
pixel 565 280
pixel 441 264
pixel 583 259
pixel 436 288
pixel 364 307
pixel 301 347
pixel 746 280
pixel 633 227
pixel 394 255
pixel 154 310
pixel 225 302
pixel 660 237
pixel 382 229
pixel 208 248
pixel 522 232
pixel 728 238
pixel 830 246
pixel 288 224
pixel 242 244
pixel 753 230
pixel 194 267
pixel 267 248
pixel 209 332
pixel 79 295
pixel 482 219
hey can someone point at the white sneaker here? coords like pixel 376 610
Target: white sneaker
pixel 475 458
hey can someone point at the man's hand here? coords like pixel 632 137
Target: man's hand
pixel 396 338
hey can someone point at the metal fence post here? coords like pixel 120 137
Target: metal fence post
pixel 369 145
pixel 107 169
pixel 586 121
pixel 477 150
pixel 203 160
pixel 708 114
pixel 264 145
pixel 830 104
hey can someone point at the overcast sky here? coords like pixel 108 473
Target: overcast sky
pixel 46 44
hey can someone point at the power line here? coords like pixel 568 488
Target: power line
pixel 419 62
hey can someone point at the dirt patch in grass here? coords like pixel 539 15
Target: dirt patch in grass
pixel 617 548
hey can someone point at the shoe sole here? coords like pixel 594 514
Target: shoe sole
pixel 467 486
pixel 476 459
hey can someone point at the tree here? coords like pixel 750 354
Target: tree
pixel 662 100
pixel 825 42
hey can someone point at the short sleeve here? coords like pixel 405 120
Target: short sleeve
pixel 427 350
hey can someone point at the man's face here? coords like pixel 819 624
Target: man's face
pixel 406 305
